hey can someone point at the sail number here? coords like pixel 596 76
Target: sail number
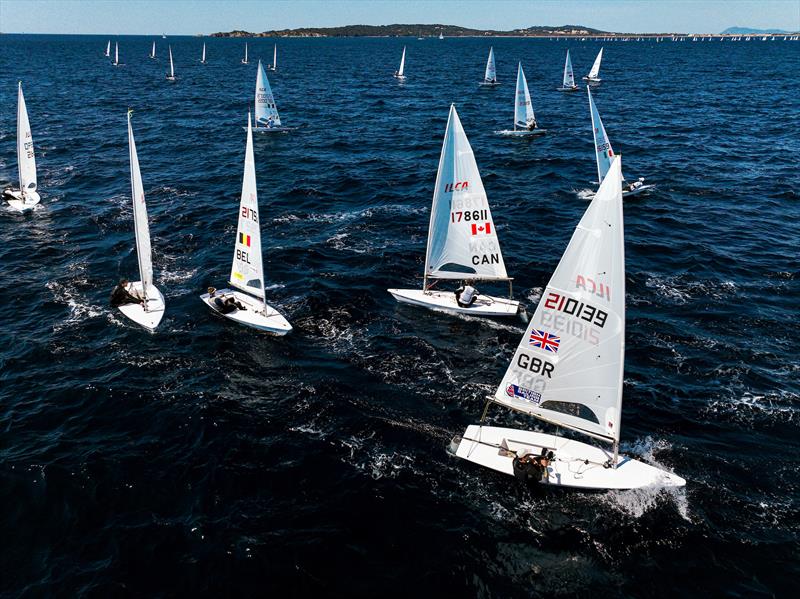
pixel 575 308
pixel 249 213
pixel 469 215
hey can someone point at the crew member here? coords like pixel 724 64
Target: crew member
pixel 531 468
pixel 466 295
pixel 121 296
pixel 228 305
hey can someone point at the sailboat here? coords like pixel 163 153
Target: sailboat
pixel 203 59
pixel 267 118
pixel 149 313
pixel 605 154
pixel 274 65
pixel 171 76
pixel 244 60
pixel 441 35
pixel 568 85
pixel 108 49
pixel 490 76
pixel 247 269
pixel 153 51
pixel 27 196
pixel 594 74
pixel 116 62
pixel 399 74
pixel 462 239
pixel 568 368
pixel 523 110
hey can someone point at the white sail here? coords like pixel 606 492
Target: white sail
pixel 26 161
pixel 153 51
pixel 602 146
pixel 108 48
pixel 140 225
pixel 275 57
pixel 568 367
pixel 116 52
pixel 265 102
pixel 569 77
pixel 402 63
pixel 247 271
pixel 462 240
pixel 491 72
pixel 593 74
pixel 171 66
pixel 203 59
pixel 523 108
pixel 245 53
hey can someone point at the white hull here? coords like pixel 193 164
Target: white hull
pixel 271 129
pixel 627 194
pixel 568 89
pixel 495 448
pixel 253 316
pixel 521 132
pixel 171 78
pixel 149 318
pixel 445 301
pixel 592 80
pixel 488 84
pixel 16 201
pixel 400 77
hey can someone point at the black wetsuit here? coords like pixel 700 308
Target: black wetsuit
pixel 121 296
pixel 226 307
pixel 529 471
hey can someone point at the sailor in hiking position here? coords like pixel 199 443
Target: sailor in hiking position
pixel 121 296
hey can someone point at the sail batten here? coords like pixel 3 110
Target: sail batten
pixel 462 240
pixel 265 107
pixel 140 225
pixel 247 270
pixel 568 366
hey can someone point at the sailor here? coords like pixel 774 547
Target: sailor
pixel 121 296
pixel 466 295
pixel 635 185
pixel 228 305
pixel 531 468
pixel 531 124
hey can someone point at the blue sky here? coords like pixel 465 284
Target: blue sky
pixel 192 17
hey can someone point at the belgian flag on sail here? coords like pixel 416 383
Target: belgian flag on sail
pixel 244 239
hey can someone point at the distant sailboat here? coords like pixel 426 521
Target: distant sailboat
pixel 27 196
pixel 108 49
pixel 171 76
pixel 524 118
pixel 150 312
pixel 462 239
pixel 568 84
pixel 203 59
pixel 267 118
pixel 248 306
pixel 594 74
pixel 441 35
pixel 153 51
pixel 604 154
pixel 274 65
pixel 568 369
pixel 490 76
pixel 244 60
pixel 400 73
pixel 116 62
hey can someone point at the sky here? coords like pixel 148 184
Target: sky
pixel 184 17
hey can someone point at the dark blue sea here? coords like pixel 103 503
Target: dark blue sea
pixel 206 459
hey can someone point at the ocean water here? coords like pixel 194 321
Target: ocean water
pixel 210 460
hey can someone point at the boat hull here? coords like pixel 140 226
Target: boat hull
pixel 521 132
pixel 271 129
pixel 637 191
pixel 495 448
pixel 445 301
pixel 592 80
pixel 487 84
pixel 149 318
pixel 568 89
pixel 273 322
pixel 19 202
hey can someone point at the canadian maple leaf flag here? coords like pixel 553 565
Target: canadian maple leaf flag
pixel 485 228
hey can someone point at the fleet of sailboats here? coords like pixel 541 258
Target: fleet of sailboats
pixel 246 304
pixel 400 73
pixel 27 196
pixel 490 76
pixel 462 238
pixel 524 119
pixel 150 311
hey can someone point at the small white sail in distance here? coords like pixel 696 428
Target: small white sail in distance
pixel 595 72
pixel 264 101
pixel 171 76
pixel 244 60
pixel 247 270
pixel 462 240
pixel 523 108
pixel 203 58
pixel 108 49
pixel 274 66
pixel 569 77
pixel 26 161
pixel 153 51
pixel 568 367
pixel 401 71
pixel 490 76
